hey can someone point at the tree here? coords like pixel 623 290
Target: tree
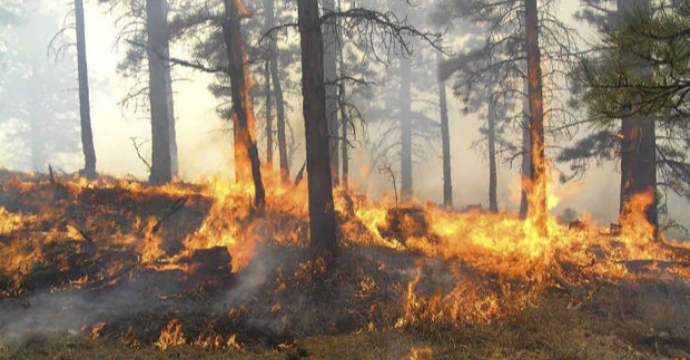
pixel 277 90
pixel 146 35
pixel 612 81
pixel 156 25
pixel 445 139
pixel 344 118
pixel 649 38
pixel 536 102
pixel 321 211
pixel 407 94
pixel 512 29
pixel 241 101
pixel 330 33
pixel 493 181
pixel 84 103
pixel 37 108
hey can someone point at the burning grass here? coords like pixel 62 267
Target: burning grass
pixel 193 269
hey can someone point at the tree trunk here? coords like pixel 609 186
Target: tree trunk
pixel 278 92
pixel 638 152
pixel 638 167
pixel 406 129
pixel 84 103
pixel 445 138
pixel 330 75
pixel 343 114
pixel 241 101
pixel 538 209
pixel 269 118
pixel 343 145
pixel 160 131
pixel 321 212
pixel 174 164
pixel 493 202
pixel 525 171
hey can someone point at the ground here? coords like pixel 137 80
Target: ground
pixel 119 270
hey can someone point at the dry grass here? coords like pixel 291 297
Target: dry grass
pixel 549 331
pixel 648 320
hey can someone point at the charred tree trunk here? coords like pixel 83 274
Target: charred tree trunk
pixel 160 130
pixel 330 73
pixel 445 138
pixel 406 129
pixel 638 167
pixel 174 164
pixel 321 212
pixel 278 92
pixel 269 118
pixel 493 202
pixel 638 152
pixel 84 103
pixel 525 171
pixel 241 101
pixel 538 208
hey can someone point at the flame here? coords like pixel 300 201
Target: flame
pixel 171 336
pixel 131 338
pixel 500 263
pixel 217 341
pixel 95 331
pixel 418 354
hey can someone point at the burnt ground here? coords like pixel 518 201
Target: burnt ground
pixel 274 306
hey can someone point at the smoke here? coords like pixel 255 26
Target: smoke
pixel 249 281
pixel 51 312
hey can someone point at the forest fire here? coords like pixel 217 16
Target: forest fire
pixel 495 265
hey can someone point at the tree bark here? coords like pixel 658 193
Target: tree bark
pixel 538 209
pixel 525 171
pixel 406 129
pixel 330 74
pixel 174 163
pixel 321 212
pixel 343 115
pixel 445 139
pixel 241 101
pixel 493 202
pixel 84 103
pixel 638 167
pixel 269 119
pixel 278 92
pixel 161 171
pixel 638 153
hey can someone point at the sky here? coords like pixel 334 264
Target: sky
pixel 203 150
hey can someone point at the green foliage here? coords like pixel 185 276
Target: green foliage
pixel 643 67
pixel 640 68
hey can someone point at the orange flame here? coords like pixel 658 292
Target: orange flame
pixel 171 336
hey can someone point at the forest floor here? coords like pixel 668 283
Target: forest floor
pixel 78 282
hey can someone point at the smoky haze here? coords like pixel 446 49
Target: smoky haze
pixel 205 146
